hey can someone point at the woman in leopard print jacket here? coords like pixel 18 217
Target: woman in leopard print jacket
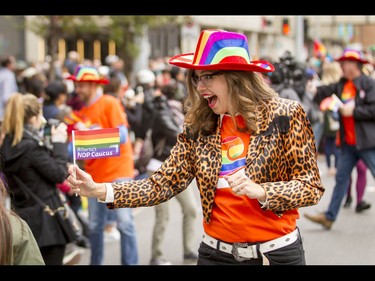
pixel 252 153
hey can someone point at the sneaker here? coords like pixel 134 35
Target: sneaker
pixel 159 261
pixel 112 235
pixel 72 255
pixel 320 219
pixel 361 206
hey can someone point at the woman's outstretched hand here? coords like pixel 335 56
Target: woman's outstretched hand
pixel 81 182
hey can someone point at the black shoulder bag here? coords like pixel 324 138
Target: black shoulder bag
pixel 64 213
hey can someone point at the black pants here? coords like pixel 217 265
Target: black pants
pixel 292 254
pixel 53 255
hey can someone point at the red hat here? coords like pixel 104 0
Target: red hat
pixel 85 73
pixel 353 55
pixel 221 50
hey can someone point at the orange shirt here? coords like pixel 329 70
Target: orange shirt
pixel 239 218
pixel 106 112
pixel 347 95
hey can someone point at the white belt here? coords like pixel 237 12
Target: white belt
pixel 243 251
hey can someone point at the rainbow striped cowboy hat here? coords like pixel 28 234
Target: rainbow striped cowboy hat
pixel 221 50
pixel 85 73
pixel 354 55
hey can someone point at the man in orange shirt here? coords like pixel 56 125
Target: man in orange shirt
pixel 357 127
pixel 105 111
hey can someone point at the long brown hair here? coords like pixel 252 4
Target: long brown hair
pixel 6 236
pixel 247 91
pixel 20 108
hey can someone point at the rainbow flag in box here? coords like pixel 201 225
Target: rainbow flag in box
pixel 96 143
pixel 332 103
pixel 319 48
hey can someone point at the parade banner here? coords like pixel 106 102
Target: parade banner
pixel 96 143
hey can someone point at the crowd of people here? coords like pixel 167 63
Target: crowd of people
pixel 233 128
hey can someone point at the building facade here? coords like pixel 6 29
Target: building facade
pixel 268 36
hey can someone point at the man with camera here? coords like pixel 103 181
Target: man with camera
pixel 290 80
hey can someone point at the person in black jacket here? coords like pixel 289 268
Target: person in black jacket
pixel 140 110
pixel 39 168
pixel 167 124
pixel 357 127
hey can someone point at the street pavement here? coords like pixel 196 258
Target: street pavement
pixel 349 242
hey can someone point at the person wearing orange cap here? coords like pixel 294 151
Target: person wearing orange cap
pixel 357 129
pixel 106 111
pixel 252 153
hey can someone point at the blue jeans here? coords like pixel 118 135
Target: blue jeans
pixel 347 159
pixel 98 215
pixel 111 217
pixel 318 128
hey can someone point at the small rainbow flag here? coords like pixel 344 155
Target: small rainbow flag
pixel 319 48
pixel 332 103
pixel 74 117
pixel 96 143
pixel 75 121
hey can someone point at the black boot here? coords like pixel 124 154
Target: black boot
pixel 361 206
pixel 348 201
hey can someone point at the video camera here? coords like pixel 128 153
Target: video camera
pixel 290 73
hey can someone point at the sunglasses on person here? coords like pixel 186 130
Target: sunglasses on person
pixel 206 79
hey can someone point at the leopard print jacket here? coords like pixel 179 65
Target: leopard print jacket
pixel 282 158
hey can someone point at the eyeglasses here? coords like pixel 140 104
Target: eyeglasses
pixel 206 79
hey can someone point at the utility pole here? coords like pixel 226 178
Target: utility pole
pixel 299 38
